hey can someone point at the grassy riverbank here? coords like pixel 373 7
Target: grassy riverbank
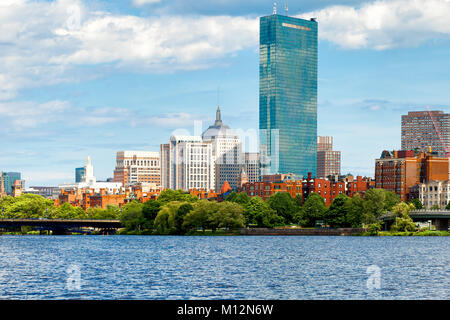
pixel 426 233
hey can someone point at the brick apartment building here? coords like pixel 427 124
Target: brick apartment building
pixel 327 189
pixel 398 171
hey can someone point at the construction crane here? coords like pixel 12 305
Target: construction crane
pixel 446 149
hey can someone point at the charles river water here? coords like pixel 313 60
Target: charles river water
pixel 237 267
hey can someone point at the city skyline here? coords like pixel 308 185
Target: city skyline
pixel 52 115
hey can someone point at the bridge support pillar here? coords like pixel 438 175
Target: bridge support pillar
pixel 61 232
pixel 441 224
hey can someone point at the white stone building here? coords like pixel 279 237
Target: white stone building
pixel 90 182
pixel 187 163
pixel 226 152
pixel 434 193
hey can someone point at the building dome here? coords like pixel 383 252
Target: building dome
pixel 218 129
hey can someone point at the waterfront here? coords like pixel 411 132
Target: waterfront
pixel 268 267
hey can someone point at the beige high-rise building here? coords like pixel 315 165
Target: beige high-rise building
pixel 423 130
pixel 328 160
pixel 138 167
pixel 251 166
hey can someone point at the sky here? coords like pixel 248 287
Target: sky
pixel 81 78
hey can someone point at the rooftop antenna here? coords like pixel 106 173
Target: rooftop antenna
pixel 286 8
pixel 274 8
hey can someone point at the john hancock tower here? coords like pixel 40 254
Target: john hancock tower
pixel 288 95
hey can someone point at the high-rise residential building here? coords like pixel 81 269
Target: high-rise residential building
pixel 398 171
pixel 165 163
pixel 137 167
pixel 288 95
pixel 328 160
pixel 9 178
pixel 251 166
pixel 423 130
pixel 226 152
pixel 189 164
pixel 79 174
pixel 324 143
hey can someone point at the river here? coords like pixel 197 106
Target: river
pixel 235 267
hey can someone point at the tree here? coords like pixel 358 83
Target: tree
pixel 401 209
pixel 67 211
pixel 435 207
pixel 336 214
pixel 175 195
pixel 199 217
pixel 417 204
pixel 448 206
pixel 258 212
pixel 150 210
pixel 229 215
pixel 284 205
pixel 313 209
pixel 28 206
pixel 374 228
pixel 403 221
pixel 111 212
pixel 377 202
pixel 355 211
pixel 241 198
pixel 182 211
pixel 131 216
pixel 299 201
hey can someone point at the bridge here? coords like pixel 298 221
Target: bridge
pixel 62 226
pixel 439 218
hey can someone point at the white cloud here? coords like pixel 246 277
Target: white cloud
pixel 22 115
pixel 144 2
pixel 384 24
pixel 42 43
pixel 170 120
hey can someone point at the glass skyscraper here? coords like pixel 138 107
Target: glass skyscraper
pixel 288 95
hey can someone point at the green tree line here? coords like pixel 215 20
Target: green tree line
pixel 178 212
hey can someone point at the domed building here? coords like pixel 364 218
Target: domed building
pixel 226 151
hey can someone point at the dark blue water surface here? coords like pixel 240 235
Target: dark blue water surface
pixel 151 267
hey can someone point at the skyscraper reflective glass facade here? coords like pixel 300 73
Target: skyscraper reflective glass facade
pixel 288 95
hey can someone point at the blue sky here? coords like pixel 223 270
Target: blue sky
pixel 81 78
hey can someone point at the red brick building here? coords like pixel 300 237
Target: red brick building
pixel 327 189
pixel 397 171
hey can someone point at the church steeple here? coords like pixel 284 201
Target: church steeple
pixel 218 117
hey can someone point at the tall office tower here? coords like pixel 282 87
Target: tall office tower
pixel 328 160
pixel 164 161
pixel 9 178
pixel 190 164
pixel 137 167
pixel 288 95
pixel 426 129
pixel 79 174
pixel 226 152
pixel 251 166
